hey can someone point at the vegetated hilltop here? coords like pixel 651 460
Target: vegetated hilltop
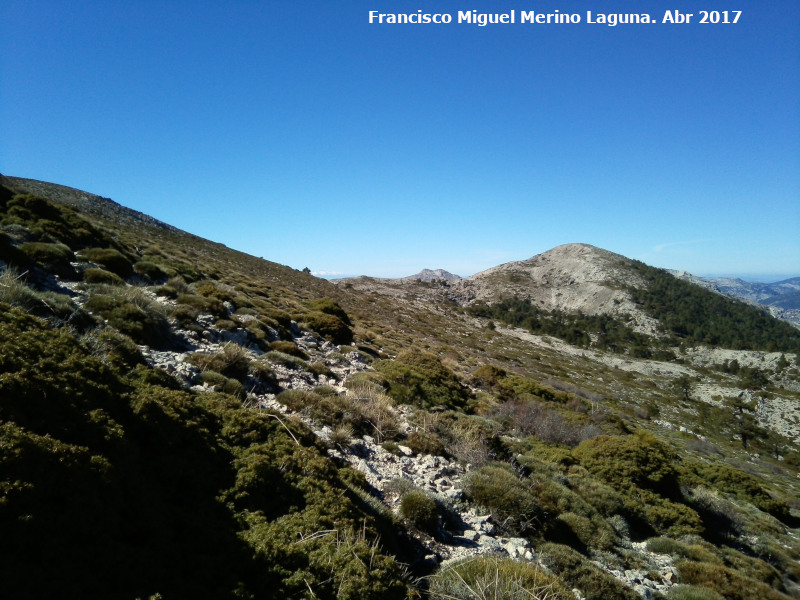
pixel 181 419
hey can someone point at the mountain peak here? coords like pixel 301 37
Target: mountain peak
pixel 433 275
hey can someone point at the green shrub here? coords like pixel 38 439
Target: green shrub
pixel 321 369
pixel 741 485
pixel 499 490
pixel 329 307
pixel 94 275
pixel 150 270
pixel 328 326
pixel 485 577
pixel 601 496
pixel 114 348
pixel 645 471
pixel 697 552
pixel 730 584
pixel 421 379
pixel 215 290
pixel 590 532
pixel 51 257
pixel 425 442
pixel 691 592
pixel 641 460
pixel 288 348
pixel 580 573
pixel 186 317
pixel 173 288
pixel 420 509
pixel 224 385
pixel 110 259
pixel 231 361
pixel 130 311
pixel 212 306
pixel 287 360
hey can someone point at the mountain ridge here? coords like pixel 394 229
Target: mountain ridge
pixel 327 425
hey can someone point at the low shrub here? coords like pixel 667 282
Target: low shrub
pixel 174 287
pixel 590 532
pixel 224 385
pixel 288 348
pixel 420 378
pixel 231 361
pixel 730 584
pixel 130 311
pixel 328 326
pixel 497 489
pixel 95 275
pixel 697 552
pixel 287 360
pixel 365 416
pixel 425 442
pixel 399 486
pixel 113 348
pixel 580 573
pixel 321 369
pixel 110 259
pixel 692 592
pixel 419 509
pixel 150 270
pixel 52 257
pixel 601 496
pixel 329 307
pixel 212 306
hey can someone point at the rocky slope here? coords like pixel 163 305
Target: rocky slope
pixel 397 380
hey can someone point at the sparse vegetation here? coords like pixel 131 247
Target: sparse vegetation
pixel 109 464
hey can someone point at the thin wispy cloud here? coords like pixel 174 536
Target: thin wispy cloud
pixel 667 245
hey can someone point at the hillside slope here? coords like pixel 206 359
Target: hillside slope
pixel 181 419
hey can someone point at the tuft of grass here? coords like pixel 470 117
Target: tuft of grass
pixel 492 578
pixel 51 305
pixel 132 312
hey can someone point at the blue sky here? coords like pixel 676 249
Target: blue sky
pixel 300 132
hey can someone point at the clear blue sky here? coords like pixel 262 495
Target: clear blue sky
pixel 297 131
